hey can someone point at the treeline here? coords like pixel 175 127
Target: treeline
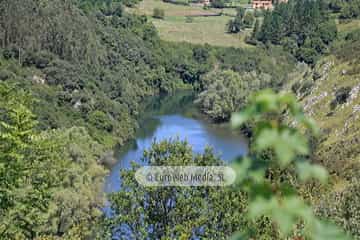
pixel 243 19
pixel 89 65
pixel 95 68
pixel 347 9
pixel 304 28
pixel 87 68
pixel 240 72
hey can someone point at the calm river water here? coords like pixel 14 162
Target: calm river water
pixel 176 117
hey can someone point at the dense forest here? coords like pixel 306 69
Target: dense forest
pixel 73 78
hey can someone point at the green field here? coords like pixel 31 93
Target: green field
pixel 200 30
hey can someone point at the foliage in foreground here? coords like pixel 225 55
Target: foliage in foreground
pixel 287 149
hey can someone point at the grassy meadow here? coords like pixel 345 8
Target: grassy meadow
pixel 179 27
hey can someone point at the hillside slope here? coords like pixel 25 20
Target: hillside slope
pixel 330 93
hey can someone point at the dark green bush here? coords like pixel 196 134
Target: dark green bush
pixel 341 96
pixel 353 36
pixel 158 13
pixel 5 75
pixel 218 3
pixel 39 59
pixel 100 120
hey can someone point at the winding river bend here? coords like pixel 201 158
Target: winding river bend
pixel 176 117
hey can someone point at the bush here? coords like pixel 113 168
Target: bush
pixel 64 74
pixel 159 13
pixel 307 55
pixel 40 60
pixel 5 75
pixel 341 96
pixel 130 3
pixel 225 92
pixel 218 3
pixel 100 120
pixel 7 54
pixel 249 19
pixel 353 36
pixel 351 9
pixel 11 52
pixel 235 25
pixel 189 19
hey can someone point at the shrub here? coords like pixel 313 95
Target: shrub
pixel 40 60
pixel 5 75
pixel 307 55
pixel 353 36
pixel 341 96
pixel 234 25
pixel 100 120
pixel 11 52
pixel 218 3
pixel 351 9
pixel 189 19
pixel 248 19
pixel 159 13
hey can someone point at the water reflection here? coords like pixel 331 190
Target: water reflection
pixel 176 117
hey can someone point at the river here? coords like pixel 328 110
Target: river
pixel 174 117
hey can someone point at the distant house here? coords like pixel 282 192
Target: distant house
pixel 206 2
pixel 265 4
pixel 200 3
pixel 262 4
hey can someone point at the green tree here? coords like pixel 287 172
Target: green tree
pixel 218 3
pixel 175 212
pixel 256 29
pixel 328 31
pixel 24 161
pixel 306 22
pixel 224 92
pixel 75 207
pixel 248 19
pixel 240 12
pixel 234 25
pixel 350 9
pixel 158 13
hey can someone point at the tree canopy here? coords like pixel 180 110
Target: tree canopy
pixel 303 27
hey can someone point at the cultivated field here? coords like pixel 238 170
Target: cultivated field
pixel 199 29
